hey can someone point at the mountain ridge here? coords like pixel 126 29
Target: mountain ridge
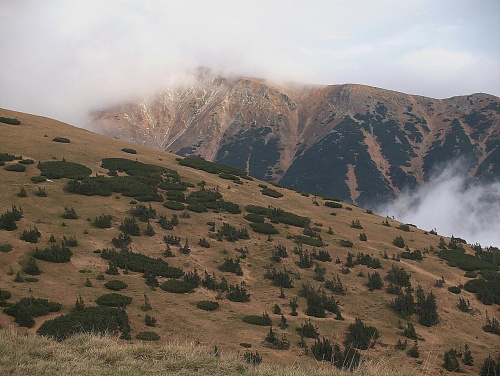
pixel 287 133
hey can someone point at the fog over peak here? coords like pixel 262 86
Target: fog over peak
pixel 453 204
pixel 63 58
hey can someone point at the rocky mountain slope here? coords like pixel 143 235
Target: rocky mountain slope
pixel 360 143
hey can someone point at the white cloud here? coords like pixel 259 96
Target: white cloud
pixel 454 205
pixel 60 58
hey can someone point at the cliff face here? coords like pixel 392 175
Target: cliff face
pixel 355 142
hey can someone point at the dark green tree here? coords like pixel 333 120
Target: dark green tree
pixel 428 311
pixel 375 281
pixel 450 361
pixel 467 358
pixel 413 351
pixel 31 267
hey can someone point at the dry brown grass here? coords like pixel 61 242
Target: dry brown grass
pixel 177 315
pixel 30 355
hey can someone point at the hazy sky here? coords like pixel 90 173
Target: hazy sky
pixel 60 58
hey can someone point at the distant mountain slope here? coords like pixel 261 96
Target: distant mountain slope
pixel 361 143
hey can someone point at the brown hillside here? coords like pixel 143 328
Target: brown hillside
pixel 178 317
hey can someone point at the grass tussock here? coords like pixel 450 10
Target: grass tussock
pixel 85 354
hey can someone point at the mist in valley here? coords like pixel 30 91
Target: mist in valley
pixel 453 204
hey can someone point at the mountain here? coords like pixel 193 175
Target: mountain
pixel 362 144
pixel 99 234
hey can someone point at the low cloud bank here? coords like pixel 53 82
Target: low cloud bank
pixel 453 204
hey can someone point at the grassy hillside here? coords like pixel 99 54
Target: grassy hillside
pixel 216 209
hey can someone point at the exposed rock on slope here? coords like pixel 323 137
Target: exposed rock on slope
pixel 357 142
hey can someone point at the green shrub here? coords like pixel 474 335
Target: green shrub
pixel 31 267
pixel 69 213
pixel 399 276
pixel 5 247
pixel 264 228
pixel 27 308
pixel 143 213
pixel 103 221
pixel 399 242
pixel 55 253
pixel 361 336
pixel 174 205
pixel 470 274
pixel 271 193
pixel 130 151
pixel 97 320
pixel 9 218
pixel 26 161
pixel 279 278
pixel 454 289
pixel 263 320
pixel 115 285
pixel 238 294
pixel 204 243
pixel 31 235
pixel 231 266
pixel 64 140
pixel 4 294
pixel 356 224
pixel 177 287
pixel 403 227
pixel 10 121
pixel 15 167
pixel 211 167
pixel 278 215
pixel 197 208
pixel 113 300
pixel 413 255
pixel 207 305
pixel 314 242
pixel 308 330
pixel 147 336
pixel 487 291
pixel 457 258
pixel 69 242
pixel 41 192
pixel 22 193
pixel 63 169
pixel 231 234
pixel 130 227
pixel 334 205
pixel 255 218
pixel 346 243
pixel 38 179
pixel 137 262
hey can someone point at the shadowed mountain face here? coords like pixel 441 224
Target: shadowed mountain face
pixel 358 143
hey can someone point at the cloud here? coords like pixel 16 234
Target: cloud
pixel 453 204
pixel 63 58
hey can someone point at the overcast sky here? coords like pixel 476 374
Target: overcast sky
pixel 62 58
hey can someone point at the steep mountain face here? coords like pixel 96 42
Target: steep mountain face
pixel 359 143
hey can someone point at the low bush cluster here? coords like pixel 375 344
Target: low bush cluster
pixel 278 215
pixel 207 305
pixel 54 253
pixel 63 169
pixel 137 262
pixel 96 320
pixel 263 320
pixel 114 300
pixel 27 308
